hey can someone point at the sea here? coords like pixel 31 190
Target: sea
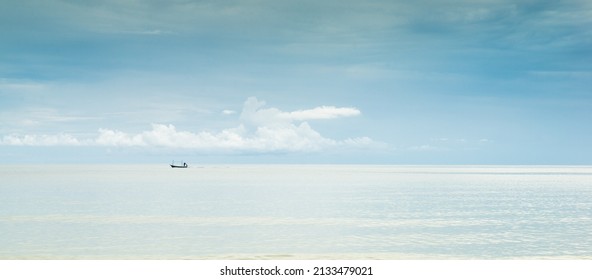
pixel 295 212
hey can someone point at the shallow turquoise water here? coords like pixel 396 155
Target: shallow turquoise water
pixel 295 212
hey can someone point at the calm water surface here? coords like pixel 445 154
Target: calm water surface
pixel 295 212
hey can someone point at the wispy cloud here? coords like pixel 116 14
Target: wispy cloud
pixel 254 112
pixel 449 144
pixel 20 85
pixel 36 117
pixel 262 129
pixel 323 112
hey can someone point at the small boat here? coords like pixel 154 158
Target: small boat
pixel 173 165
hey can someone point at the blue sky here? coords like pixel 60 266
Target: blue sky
pixel 393 82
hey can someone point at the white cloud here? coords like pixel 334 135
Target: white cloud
pixel 41 140
pixel 324 112
pixel 167 136
pixel 262 130
pixel 254 113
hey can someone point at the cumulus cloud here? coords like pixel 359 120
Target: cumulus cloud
pixel 262 129
pixel 41 140
pixel 167 136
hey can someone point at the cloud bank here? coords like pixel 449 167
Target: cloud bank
pixel 262 129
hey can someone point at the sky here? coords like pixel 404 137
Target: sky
pixel 267 81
